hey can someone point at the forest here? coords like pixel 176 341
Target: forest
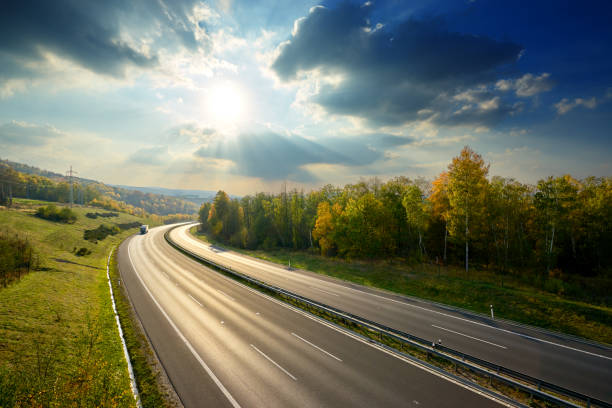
pixel 561 225
pixel 33 185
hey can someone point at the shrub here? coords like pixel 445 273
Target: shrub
pixel 17 257
pixel 52 213
pixel 103 215
pixel 129 225
pixel 101 232
pixel 82 252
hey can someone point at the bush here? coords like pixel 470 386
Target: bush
pixel 82 252
pixel 17 257
pixel 101 232
pixel 129 225
pixel 103 215
pixel 52 213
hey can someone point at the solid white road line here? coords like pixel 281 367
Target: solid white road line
pixel 317 347
pixel 274 362
pixel 194 299
pixel 525 336
pixel 212 375
pixel 324 291
pixel 219 290
pixel 465 335
pixel 356 337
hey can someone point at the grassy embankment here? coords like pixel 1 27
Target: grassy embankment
pixel 59 344
pixel 513 297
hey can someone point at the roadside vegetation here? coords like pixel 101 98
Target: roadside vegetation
pixel 154 390
pixel 538 253
pixel 59 344
pixel 17 256
pixel 53 213
pixel 22 181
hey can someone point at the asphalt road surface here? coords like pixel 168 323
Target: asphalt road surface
pixel 223 344
pixel 580 366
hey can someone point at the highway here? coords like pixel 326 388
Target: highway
pixel 225 345
pixel 568 362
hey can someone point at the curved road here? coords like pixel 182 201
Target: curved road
pixel 223 344
pixel 565 361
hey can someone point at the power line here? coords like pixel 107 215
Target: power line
pixel 70 174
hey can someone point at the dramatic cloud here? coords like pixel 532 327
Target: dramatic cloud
pixel 387 75
pixel 272 156
pixel 527 85
pixel 27 134
pixel 103 37
pixel 565 105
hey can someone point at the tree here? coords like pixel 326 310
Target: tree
pixel 203 217
pixel 324 228
pixel 415 206
pixel 467 186
pixel 440 206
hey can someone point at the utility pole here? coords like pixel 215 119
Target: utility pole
pixel 70 174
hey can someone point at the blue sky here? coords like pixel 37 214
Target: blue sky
pixel 244 95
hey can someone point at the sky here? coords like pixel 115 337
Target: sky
pixel 246 95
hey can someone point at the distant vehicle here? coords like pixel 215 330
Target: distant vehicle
pixel 144 229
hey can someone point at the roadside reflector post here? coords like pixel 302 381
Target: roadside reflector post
pixel 492 315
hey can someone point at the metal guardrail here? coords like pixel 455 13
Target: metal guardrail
pixel 530 385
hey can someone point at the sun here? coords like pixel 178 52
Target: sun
pixel 227 103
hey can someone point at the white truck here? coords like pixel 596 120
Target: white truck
pixel 144 229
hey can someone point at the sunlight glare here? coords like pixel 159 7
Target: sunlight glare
pixel 227 103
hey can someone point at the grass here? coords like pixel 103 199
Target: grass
pixel 513 298
pixel 59 344
pixel 148 377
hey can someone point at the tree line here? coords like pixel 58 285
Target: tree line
pixel 463 217
pixel 34 186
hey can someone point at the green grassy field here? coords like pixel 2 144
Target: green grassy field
pixel 513 298
pixel 59 343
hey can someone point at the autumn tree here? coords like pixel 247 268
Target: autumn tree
pixel 467 186
pixel 440 206
pixel 324 228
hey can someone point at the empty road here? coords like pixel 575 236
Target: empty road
pixel 571 363
pixel 223 344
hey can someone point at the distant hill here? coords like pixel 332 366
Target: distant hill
pixel 195 196
pixel 22 180
pixel 27 169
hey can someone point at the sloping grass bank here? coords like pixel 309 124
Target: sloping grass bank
pixel 155 390
pixel 513 300
pixel 59 345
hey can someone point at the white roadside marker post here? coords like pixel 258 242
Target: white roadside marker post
pixel 492 316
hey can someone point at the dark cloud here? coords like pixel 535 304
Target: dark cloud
pixel 272 156
pixel 389 73
pixel 27 134
pixel 88 32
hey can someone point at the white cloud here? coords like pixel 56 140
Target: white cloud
pixel 491 104
pixel 565 105
pixel 27 134
pixel 527 85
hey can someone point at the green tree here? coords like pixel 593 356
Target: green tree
pixel 416 212
pixel 467 186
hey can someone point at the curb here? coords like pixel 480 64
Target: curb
pixel 123 345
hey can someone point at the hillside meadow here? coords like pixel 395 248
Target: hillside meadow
pixel 59 344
